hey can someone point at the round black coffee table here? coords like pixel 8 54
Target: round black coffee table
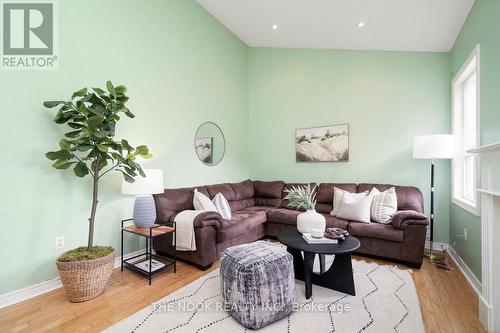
pixel 338 277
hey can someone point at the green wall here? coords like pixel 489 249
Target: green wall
pixel 470 249
pixel 387 98
pixel 482 26
pixel 182 68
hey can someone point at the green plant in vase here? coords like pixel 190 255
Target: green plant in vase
pixel 90 149
pixel 301 197
pixel 304 197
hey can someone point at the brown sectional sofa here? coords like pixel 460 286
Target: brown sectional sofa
pixel 259 210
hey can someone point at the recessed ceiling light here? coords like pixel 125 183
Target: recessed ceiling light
pixel 361 24
pixel 275 27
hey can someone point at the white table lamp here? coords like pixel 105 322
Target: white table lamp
pixel 433 147
pixel 143 188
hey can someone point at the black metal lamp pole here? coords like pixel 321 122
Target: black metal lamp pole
pixel 432 147
pixel 431 238
pixel 437 258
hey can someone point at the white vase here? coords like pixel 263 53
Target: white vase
pixel 309 220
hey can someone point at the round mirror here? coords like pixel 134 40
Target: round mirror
pixel 209 143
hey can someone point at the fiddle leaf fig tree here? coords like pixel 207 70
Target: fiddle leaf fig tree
pixel 90 147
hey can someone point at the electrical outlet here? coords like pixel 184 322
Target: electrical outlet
pixel 60 242
pixel 465 233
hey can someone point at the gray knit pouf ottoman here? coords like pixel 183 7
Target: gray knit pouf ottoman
pixel 257 283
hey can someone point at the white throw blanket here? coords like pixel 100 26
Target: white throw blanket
pixel 184 224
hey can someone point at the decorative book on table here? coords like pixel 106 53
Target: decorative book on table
pixel 323 240
pixel 155 265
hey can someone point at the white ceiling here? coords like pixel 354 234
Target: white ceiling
pixel 406 25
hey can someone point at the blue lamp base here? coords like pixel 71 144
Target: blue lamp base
pixel 144 211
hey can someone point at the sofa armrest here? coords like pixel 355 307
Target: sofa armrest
pixel 208 219
pixel 204 220
pixel 403 218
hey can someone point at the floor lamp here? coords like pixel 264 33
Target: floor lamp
pixel 434 147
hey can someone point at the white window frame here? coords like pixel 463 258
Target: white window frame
pixel 457 115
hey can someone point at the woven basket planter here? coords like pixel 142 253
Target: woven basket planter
pixel 84 280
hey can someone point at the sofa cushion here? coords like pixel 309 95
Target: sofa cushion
pixel 222 206
pixel 203 202
pixel 334 222
pixel 268 193
pixel 237 205
pixel 353 206
pixel 172 201
pixel 384 205
pixel 240 223
pixel 289 217
pixel 376 230
pixel 340 195
pixel 289 186
pixel 409 197
pixel 259 208
pixel 239 195
pixel 225 189
pixel 324 196
pixel 283 215
pixel 243 190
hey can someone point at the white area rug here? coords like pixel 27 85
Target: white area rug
pixel 385 301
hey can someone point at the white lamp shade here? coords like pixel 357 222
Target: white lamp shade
pixel 437 146
pixel 151 184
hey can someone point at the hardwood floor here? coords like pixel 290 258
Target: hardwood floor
pixel 447 302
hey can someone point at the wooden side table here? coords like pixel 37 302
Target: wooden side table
pixel 149 234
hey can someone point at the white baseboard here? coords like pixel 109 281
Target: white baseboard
pixel 437 246
pixel 20 295
pixel 118 260
pixel 469 276
pixel 486 315
pixel 23 294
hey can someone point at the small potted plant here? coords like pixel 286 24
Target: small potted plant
pixel 305 197
pixel 90 149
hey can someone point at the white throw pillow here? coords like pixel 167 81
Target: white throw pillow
pixel 337 198
pixel 202 202
pixel 384 205
pixel 355 208
pixel 222 206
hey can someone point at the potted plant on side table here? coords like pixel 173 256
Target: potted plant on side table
pixel 90 148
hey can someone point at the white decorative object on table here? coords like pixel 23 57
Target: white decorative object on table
pixel 309 220
pixel 305 197
pixel 317 233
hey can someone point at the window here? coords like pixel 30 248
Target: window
pixel 465 128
